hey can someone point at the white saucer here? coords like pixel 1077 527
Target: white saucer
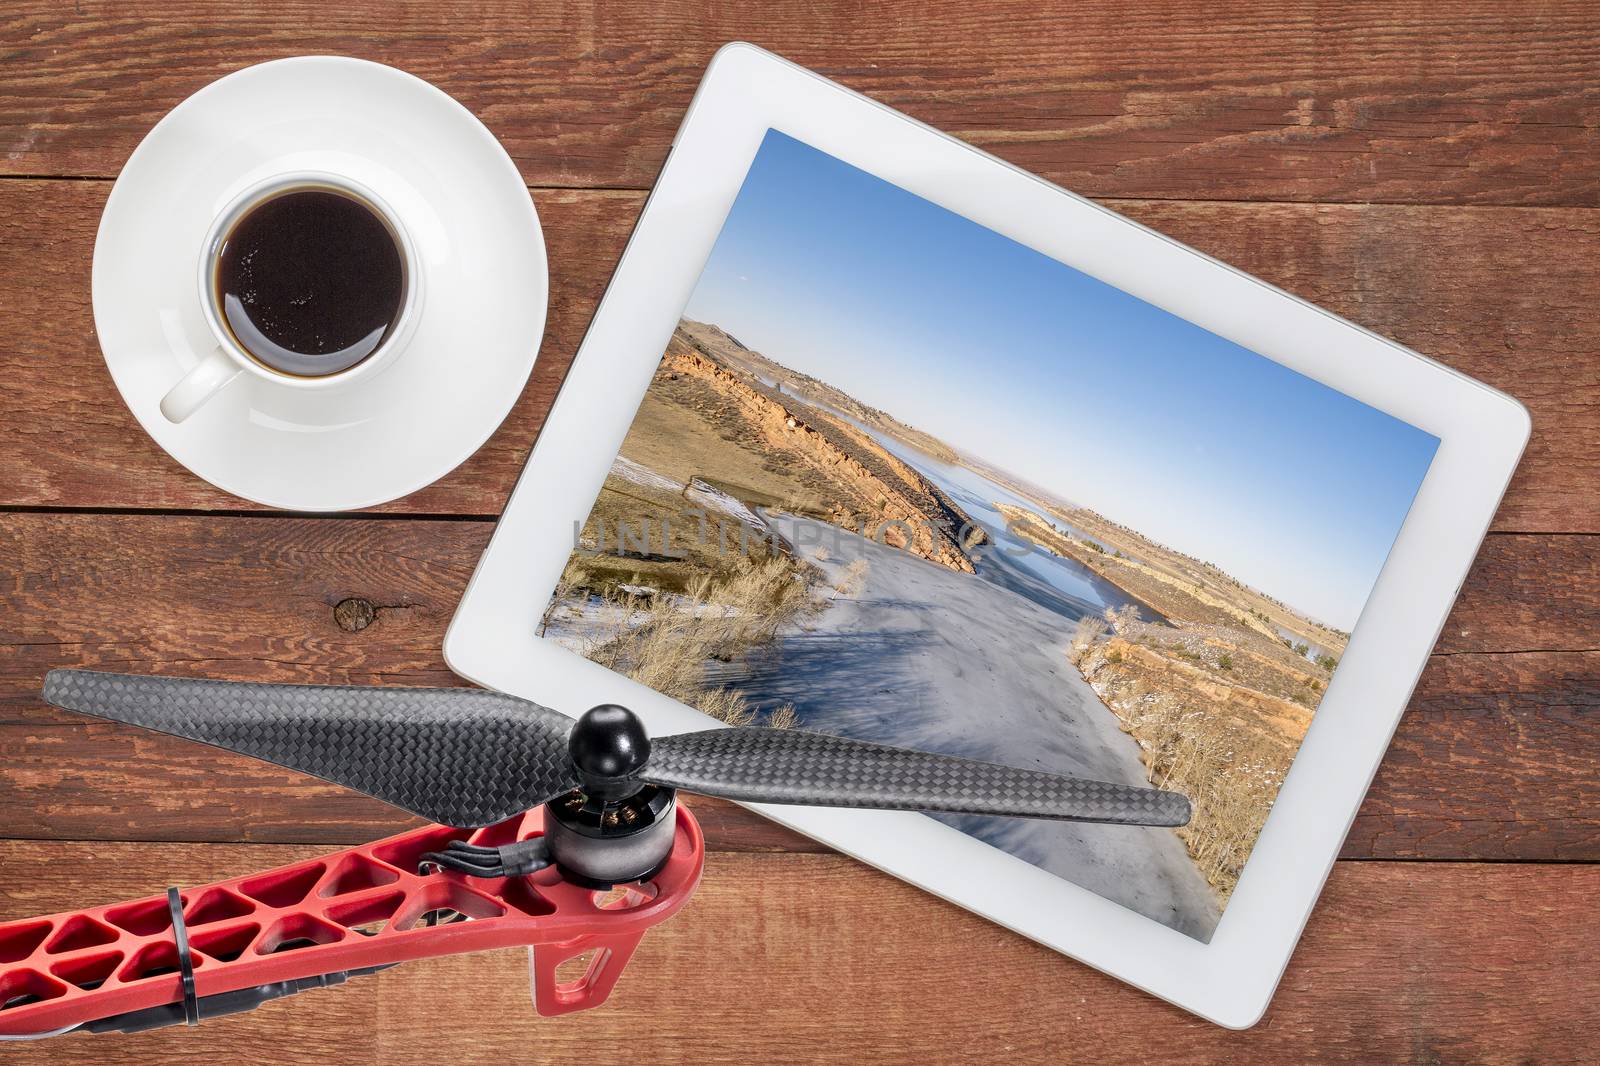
pixel 476 233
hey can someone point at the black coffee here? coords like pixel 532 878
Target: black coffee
pixel 310 282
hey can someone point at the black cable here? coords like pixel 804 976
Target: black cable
pixel 218 1004
pixel 477 860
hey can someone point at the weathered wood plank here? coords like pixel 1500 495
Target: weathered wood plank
pixel 1528 593
pixel 1494 760
pixel 1495 103
pixel 818 959
pixel 1503 294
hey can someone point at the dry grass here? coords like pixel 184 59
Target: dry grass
pixel 665 642
pixel 1090 630
pixel 853 578
pixel 1231 777
pixel 574 576
pixel 1224 756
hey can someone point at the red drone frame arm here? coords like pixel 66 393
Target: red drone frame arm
pixel 363 907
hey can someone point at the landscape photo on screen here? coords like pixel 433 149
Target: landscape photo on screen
pixel 903 479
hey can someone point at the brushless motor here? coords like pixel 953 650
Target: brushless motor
pixel 599 845
pixel 615 829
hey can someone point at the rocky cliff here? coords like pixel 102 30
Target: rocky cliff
pixel 894 504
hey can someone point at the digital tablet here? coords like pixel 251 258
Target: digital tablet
pixel 877 435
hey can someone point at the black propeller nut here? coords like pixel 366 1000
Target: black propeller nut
pixel 609 746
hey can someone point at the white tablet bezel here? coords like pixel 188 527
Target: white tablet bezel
pixel 1482 432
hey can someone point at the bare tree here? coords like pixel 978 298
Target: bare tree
pixel 1123 619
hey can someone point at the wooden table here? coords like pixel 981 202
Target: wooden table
pixel 1438 181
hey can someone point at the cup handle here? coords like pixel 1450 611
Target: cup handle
pixel 199 385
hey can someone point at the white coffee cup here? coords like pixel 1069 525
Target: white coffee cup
pixel 229 358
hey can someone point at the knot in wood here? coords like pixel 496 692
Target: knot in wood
pixel 354 614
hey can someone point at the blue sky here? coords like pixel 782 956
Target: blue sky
pixel 1062 379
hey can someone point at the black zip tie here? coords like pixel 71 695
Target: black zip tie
pixel 180 933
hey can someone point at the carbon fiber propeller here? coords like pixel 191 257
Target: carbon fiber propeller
pixel 463 757
pixel 467 757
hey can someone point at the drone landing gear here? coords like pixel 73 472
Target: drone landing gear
pixel 311 924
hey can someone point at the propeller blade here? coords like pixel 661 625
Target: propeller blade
pixel 761 765
pixel 462 757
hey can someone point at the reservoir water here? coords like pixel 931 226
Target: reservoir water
pixel 1059 584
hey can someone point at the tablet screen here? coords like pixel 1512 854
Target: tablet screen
pixel 903 479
